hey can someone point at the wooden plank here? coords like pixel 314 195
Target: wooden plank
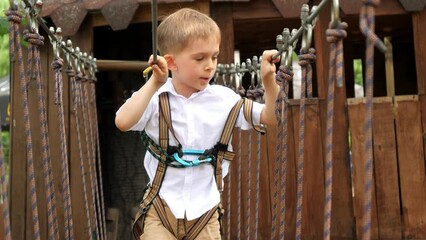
pixel 291 191
pixel 77 198
pixel 143 13
pixel 411 166
pixel 419 35
pixel 389 7
pixel 313 183
pixel 386 169
pixel 54 138
pixel 264 205
pixel 222 14
pixel 18 169
pixel 356 110
pixel 255 9
pixel 289 8
pixel 322 47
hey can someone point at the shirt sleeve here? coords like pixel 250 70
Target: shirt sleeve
pixel 141 124
pixel 256 111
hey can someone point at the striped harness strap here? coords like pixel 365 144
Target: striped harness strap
pixel 222 154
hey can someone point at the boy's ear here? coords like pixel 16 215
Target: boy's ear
pixel 170 62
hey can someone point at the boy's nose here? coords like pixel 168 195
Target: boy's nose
pixel 210 66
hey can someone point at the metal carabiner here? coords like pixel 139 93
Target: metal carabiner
pixel 192 163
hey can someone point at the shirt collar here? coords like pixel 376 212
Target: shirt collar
pixel 168 87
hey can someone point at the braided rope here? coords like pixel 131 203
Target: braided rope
pixel 281 79
pixel 239 184
pixel 14 18
pixel 259 98
pixel 92 158
pixel 305 59
pixel 228 207
pixel 248 184
pixel 75 89
pixel 87 133
pixel 57 65
pixel 98 149
pixel 367 23
pixel 251 94
pixel 36 41
pixel 335 37
pixel 278 151
pixel 284 77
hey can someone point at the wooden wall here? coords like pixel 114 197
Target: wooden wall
pixel 399 148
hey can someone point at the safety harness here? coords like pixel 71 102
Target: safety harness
pixel 172 156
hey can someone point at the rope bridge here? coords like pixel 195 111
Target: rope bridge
pixel 292 152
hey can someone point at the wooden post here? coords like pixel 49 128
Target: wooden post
pixel 342 220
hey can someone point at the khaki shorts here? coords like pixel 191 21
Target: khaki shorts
pixel 154 228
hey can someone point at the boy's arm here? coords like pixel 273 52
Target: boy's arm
pixel 134 108
pixel 267 69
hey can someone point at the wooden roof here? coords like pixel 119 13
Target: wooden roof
pixel 69 14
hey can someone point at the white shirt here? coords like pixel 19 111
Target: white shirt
pixel 198 122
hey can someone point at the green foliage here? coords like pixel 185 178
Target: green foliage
pixel 4 40
pixel 358 71
pixel 5 138
pixel 4 55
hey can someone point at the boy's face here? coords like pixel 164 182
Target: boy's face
pixel 195 65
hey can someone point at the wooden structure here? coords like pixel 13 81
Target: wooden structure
pixel 251 26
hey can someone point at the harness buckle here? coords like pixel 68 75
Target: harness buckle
pixel 145 209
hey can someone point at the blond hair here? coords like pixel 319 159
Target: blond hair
pixel 183 26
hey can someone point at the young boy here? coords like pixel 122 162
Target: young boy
pixel 186 196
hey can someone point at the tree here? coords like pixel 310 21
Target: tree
pixel 4 40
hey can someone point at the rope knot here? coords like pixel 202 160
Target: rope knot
pixel 57 64
pixel 307 57
pixel 79 77
pixel 242 92
pixel 34 39
pixel 70 72
pixel 336 33
pixel 371 3
pixel 14 15
pixel 284 74
pixel 256 94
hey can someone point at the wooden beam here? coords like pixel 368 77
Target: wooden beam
pixel 143 14
pixel 222 14
pixel 255 9
pixel 419 24
pixel 119 65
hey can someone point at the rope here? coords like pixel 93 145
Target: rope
pixel 239 185
pixel 283 77
pixel 92 158
pixel 259 98
pixel 36 41
pixel 14 18
pixel 98 148
pixel 251 94
pixel 366 24
pixel 228 207
pixel 57 65
pixel 86 124
pixel 305 59
pixel 335 35
pixel 75 89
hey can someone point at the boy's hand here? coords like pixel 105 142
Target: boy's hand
pixel 267 67
pixel 160 69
